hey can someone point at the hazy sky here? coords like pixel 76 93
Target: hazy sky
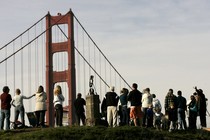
pixel 163 43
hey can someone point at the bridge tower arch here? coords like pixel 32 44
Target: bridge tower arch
pixel 69 75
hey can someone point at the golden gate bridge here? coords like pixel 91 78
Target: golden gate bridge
pixel 57 50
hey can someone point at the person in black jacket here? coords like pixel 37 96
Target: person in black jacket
pixel 181 107
pixel 135 97
pixel 111 103
pixel 79 104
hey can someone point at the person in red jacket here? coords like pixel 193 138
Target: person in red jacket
pixel 5 108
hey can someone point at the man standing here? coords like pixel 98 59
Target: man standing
pixel 181 107
pixel 135 97
pixel 79 104
pixel 5 108
pixel 111 102
pixel 202 106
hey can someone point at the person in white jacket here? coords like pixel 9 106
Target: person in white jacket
pixel 58 104
pixel 41 107
pixel 17 102
pixel 146 103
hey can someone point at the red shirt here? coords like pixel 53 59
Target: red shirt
pixel 5 101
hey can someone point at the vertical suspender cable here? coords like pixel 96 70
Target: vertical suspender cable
pixel 35 57
pixel 110 75
pixel 14 80
pixel 83 46
pixel 21 64
pixel 42 54
pixel 89 56
pixel 100 74
pixel 29 68
pixel 6 66
pixel 78 61
pixel 95 64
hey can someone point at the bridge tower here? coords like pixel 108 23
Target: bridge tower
pixel 68 75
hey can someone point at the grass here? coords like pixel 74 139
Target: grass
pixel 101 133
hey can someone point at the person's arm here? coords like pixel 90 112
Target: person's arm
pixel 12 103
pixel 24 97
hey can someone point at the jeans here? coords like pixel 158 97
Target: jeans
pixel 40 118
pixel 112 115
pixel 59 114
pixel 125 115
pixel 5 114
pixel 144 116
pixel 20 110
pixel 181 119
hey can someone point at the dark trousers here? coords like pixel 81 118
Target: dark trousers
pixel 80 116
pixel 59 114
pixel 192 119
pixel 125 116
pixel 202 114
pixel 40 118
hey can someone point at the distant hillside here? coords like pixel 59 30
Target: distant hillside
pixel 101 133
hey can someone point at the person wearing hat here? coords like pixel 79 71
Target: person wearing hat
pixel 111 102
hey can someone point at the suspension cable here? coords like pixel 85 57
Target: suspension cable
pixel 23 33
pixel 101 51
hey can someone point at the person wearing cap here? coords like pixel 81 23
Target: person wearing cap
pixel 40 107
pixel 5 108
pixel 17 102
pixel 79 104
pixel 111 102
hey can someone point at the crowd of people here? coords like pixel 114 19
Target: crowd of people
pixel 144 109
pixel 132 108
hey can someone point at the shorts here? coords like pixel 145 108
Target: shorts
pixel 135 112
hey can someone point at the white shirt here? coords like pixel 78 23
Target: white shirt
pixel 18 99
pixel 58 99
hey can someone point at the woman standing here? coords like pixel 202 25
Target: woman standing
pixel 58 104
pixel 17 102
pixel 41 107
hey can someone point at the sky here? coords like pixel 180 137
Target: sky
pixel 163 43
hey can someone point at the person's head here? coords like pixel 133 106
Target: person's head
pixel 17 91
pixel 40 89
pixel 112 88
pixel 147 90
pixel 79 95
pixel 170 92
pixel 192 97
pixel 179 93
pixel 135 86
pixel 5 89
pixel 153 96
pixel 57 90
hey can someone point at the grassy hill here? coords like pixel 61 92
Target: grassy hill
pixel 101 133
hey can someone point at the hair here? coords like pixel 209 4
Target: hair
pixel 171 90
pixel 18 91
pixel 40 89
pixel 57 90
pixel 112 88
pixel 79 95
pixel 179 93
pixel 153 96
pixel 135 86
pixel 147 89
pixel 5 89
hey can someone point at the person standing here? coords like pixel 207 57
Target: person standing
pixel 5 108
pixel 181 108
pixel 58 104
pixel 170 99
pixel 17 102
pixel 40 107
pixel 202 106
pixel 192 112
pixel 123 101
pixel 135 97
pixel 79 104
pixel 111 102
pixel 146 102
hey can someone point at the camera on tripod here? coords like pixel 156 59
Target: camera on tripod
pixel 91 90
